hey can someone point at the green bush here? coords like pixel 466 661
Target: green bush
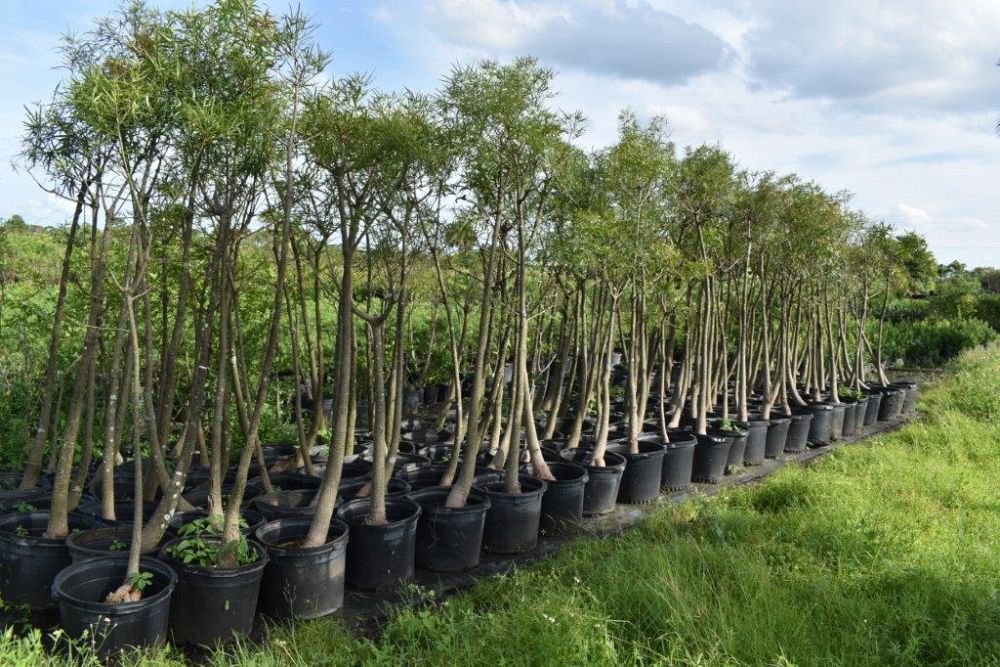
pixel 988 310
pixel 928 343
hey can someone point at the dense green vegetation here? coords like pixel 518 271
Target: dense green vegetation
pixel 882 552
pixel 944 309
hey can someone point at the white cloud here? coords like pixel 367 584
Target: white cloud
pixel 623 39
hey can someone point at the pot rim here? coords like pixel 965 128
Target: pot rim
pixel 115 609
pixel 305 523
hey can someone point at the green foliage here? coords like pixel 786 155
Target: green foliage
pixel 202 547
pixel 140 580
pixel 210 553
pixel 956 296
pixel 118 545
pixel 988 310
pixel 929 343
pixel 918 262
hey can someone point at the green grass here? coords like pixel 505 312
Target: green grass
pixel 881 553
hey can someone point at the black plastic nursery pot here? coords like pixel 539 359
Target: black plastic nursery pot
pixel 777 436
pixel 123 512
pixel 29 562
pixel 737 450
pixel 11 495
pixel 286 481
pixel 711 453
pixel 678 459
pixel 428 436
pixel 278 452
pixel 837 421
pixel 424 476
pixel 753 454
pixel 355 467
pixel 350 488
pixel 850 410
pixel 860 411
pixel 402 458
pixel 80 590
pixel 449 539
pixel 798 432
pixel 213 605
pixel 821 425
pixel 601 490
pixel 437 453
pixel 286 504
pixel 643 472
pixel 513 518
pixel 562 502
pixel 380 555
pixel 874 405
pixel 892 403
pixel 910 397
pixel 93 543
pixel 298 582
pixel 420 475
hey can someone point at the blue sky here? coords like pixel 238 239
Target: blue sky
pixel 894 101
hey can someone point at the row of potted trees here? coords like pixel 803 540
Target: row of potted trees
pixel 188 597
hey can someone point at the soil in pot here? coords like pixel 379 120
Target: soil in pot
pixel 512 519
pixel 297 582
pixel 678 460
pixel 380 555
pixel 449 539
pixel 601 490
pixel 29 562
pixel 80 591
pixel 213 605
pixel 643 472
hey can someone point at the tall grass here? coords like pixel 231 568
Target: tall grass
pixel 881 553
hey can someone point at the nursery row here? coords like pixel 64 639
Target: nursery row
pixel 188 599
